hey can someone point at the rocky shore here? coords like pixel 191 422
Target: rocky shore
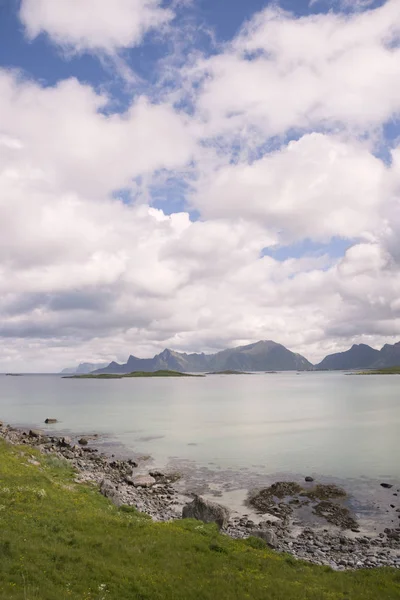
pixel 336 541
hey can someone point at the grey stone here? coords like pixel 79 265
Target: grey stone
pixel 65 441
pixel 35 433
pixel 206 511
pixel 268 536
pixel 51 421
pixel 109 490
pixel 143 481
pixel 83 441
pixel 309 479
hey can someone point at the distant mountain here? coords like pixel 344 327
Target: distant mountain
pixel 361 356
pixel 389 356
pixel 83 368
pixel 261 356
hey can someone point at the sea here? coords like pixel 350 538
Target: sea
pixel 228 434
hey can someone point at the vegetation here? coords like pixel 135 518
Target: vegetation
pixel 159 373
pixel 385 371
pixel 63 540
pixel 228 372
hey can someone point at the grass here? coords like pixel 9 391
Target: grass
pixel 228 372
pixel 159 373
pixel 62 540
pixel 385 371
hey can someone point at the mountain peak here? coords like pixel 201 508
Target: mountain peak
pixel 166 353
pixel 264 355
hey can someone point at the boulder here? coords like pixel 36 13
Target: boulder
pixel 267 535
pixel 387 486
pixel 309 479
pixel 65 441
pixel 83 441
pixel 109 490
pixel 35 433
pixel 143 481
pixel 206 511
pixel 51 421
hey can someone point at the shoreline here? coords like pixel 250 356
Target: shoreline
pixel 125 482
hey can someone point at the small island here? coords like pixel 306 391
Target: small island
pixel 159 373
pixel 228 372
pixel 385 371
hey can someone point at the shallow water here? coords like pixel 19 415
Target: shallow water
pixel 329 424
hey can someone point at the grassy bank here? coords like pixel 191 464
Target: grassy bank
pixel 160 373
pixel 61 540
pixel 385 371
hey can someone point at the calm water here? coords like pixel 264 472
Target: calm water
pixel 327 424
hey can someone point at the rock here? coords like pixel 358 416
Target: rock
pixel 51 421
pixel 309 479
pixel 35 433
pixel 65 441
pixel 83 441
pixel 143 481
pixel 387 486
pixel 109 490
pixel 157 474
pixel 336 514
pixel 206 511
pixel 267 535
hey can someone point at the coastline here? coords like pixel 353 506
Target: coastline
pixel 124 483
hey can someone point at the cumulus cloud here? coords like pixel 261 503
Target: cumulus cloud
pixel 65 139
pixel 317 187
pixel 87 275
pixel 325 71
pixel 105 25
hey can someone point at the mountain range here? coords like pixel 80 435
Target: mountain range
pixel 260 356
pixel 361 356
pixel 83 368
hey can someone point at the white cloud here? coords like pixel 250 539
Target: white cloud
pixel 65 140
pixel 84 276
pixel 105 25
pixel 326 70
pixel 318 187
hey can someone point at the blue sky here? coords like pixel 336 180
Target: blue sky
pixel 236 160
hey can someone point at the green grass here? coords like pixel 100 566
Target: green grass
pixel 228 372
pixel 159 373
pixel 385 371
pixel 60 540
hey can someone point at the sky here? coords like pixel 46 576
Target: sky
pixel 197 174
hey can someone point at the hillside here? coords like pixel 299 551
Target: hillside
pixel 362 356
pixel 260 356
